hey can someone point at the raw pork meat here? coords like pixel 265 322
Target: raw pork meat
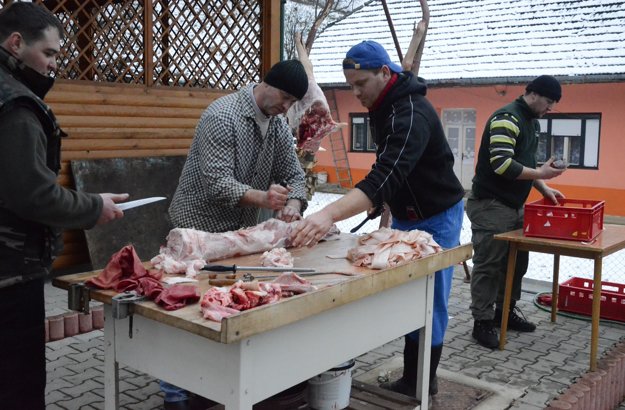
pixel 293 284
pixel 220 302
pixel 188 250
pixel 277 257
pixel 390 247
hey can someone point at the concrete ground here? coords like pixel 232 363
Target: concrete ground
pixel 532 369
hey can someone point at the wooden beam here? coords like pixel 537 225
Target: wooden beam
pixel 148 44
pixel 271 35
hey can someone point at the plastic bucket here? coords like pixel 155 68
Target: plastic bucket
pixel 330 390
pixel 322 177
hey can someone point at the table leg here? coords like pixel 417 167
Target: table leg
pixel 111 366
pixel 596 312
pixel 507 294
pixel 554 288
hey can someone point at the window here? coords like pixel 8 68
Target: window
pixel 571 137
pixel 362 141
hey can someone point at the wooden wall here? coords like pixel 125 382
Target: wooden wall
pixel 116 121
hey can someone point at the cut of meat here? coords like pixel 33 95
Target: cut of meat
pixel 390 247
pixel 277 257
pixel 293 284
pixel 187 250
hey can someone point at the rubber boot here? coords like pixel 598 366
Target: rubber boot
pixel 407 384
pixel 435 358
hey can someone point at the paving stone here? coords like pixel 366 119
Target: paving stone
pixel 562 376
pixel 94 374
pixel 530 355
pixel 57 373
pixel 85 399
pixel 144 393
pixel 54 396
pixel 63 351
pixel 535 399
pixel 516 364
pixel 373 357
pixel 555 357
pixel 61 361
pixel 524 406
pixel 54 406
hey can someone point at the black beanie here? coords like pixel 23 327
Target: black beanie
pixel 288 76
pixel 547 86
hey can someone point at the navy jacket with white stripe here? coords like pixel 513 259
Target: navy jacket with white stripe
pixel 413 172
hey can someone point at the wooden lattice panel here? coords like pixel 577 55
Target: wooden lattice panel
pixel 190 43
pixel 207 43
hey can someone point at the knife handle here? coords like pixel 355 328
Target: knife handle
pixel 220 268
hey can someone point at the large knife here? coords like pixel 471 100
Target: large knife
pixel 235 268
pixel 139 202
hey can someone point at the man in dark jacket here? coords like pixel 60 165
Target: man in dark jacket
pixel 504 175
pixel 413 174
pixel 33 206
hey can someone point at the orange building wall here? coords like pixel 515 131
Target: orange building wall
pixel 606 183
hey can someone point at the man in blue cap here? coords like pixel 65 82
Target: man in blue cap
pixel 413 174
pixel 504 175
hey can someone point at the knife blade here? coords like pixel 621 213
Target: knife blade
pixel 139 202
pixel 234 268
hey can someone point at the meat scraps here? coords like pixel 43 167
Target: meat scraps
pixel 390 247
pixel 220 302
pixel 125 272
pixel 124 264
pixel 277 257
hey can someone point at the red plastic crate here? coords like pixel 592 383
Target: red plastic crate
pixel 575 295
pixel 574 219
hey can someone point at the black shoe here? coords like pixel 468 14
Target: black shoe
pixel 485 334
pixel 516 321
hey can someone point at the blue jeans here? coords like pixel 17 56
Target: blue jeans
pixel 173 393
pixel 445 228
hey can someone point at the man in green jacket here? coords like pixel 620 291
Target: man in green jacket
pixel 505 172
pixel 33 206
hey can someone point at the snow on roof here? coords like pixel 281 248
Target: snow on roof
pixel 488 40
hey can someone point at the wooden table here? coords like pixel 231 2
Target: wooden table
pixel 610 240
pixel 263 351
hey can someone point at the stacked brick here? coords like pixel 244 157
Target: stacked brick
pixel 602 389
pixel 72 323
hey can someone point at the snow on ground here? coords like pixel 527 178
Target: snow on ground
pixel 540 265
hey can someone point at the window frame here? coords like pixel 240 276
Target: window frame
pixel 583 139
pixel 369 145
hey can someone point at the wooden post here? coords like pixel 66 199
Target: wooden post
pixel 148 43
pixel 270 46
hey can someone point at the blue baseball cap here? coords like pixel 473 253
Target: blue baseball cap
pixel 369 55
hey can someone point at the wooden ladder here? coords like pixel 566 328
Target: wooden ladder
pixel 339 152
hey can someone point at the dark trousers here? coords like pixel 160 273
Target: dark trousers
pixel 490 256
pixel 22 346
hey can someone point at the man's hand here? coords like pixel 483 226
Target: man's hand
pixel 290 212
pixel 276 197
pixel 312 229
pixel 548 170
pixel 110 211
pixel 548 192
